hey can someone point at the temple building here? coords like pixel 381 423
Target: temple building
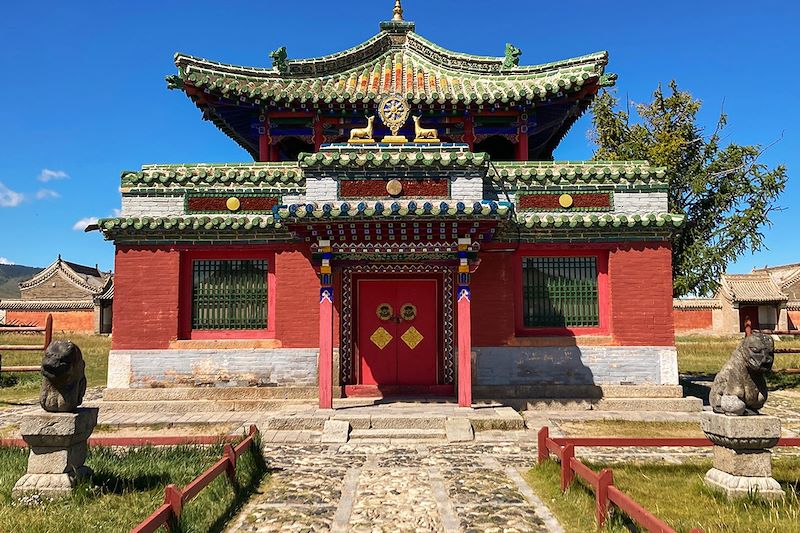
pixel 768 298
pixel 79 297
pixel 402 229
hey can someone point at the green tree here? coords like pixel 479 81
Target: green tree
pixel 726 192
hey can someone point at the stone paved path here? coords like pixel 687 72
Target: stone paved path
pixel 376 487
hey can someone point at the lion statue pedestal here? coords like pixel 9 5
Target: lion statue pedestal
pixel 742 437
pixel 57 434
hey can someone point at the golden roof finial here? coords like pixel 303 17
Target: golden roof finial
pixel 398 11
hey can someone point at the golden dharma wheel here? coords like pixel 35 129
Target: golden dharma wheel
pixel 565 201
pixel 394 187
pixel 233 204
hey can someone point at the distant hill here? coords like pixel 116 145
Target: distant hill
pixel 11 276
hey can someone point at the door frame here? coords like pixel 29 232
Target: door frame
pixel 348 317
pixel 439 363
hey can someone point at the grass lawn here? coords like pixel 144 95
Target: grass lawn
pixel 629 428
pixel 675 494
pixel 704 356
pixel 23 388
pixel 126 487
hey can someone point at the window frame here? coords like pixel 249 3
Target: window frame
pixel 603 295
pixel 187 281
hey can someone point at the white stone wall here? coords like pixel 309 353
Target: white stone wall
pixel 320 189
pixel 467 189
pixel 152 206
pixel 576 365
pixel 640 202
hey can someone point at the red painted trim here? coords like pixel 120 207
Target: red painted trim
pixel 185 294
pixel 464 353
pixel 264 141
pixel 603 291
pixel 469 132
pixel 325 372
pixel 375 391
pixel 319 135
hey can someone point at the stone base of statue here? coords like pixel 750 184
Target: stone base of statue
pixel 395 139
pixel 742 457
pixel 427 140
pixel 58 444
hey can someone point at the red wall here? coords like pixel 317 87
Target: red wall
pixel 78 321
pixel 794 319
pixel 146 283
pixel 692 319
pixel 640 293
pixel 147 296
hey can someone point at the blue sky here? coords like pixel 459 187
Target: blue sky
pixel 84 97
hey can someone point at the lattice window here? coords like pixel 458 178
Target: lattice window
pixel 560 292
pixel 229 294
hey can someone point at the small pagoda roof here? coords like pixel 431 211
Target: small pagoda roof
pixel 752 288
pixel 412 66
pixel 88 278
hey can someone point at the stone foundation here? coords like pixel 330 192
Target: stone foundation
pixel 742 457
pixel 58 444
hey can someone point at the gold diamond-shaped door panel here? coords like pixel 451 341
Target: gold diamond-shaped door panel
pixel 412 337
pixel 380 337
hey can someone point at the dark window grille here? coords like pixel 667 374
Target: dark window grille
pixel 560 292
pixel 230 294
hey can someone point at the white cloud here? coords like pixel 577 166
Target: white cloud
pixel 9 198
pixel 82 223
pixel 43 194
pixel 117 212
pixel 48 175
pixel 4 261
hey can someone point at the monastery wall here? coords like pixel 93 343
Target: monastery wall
pixel 76 321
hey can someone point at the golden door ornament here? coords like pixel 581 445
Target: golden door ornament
pixel 408 312
pixel 412 337
pixel 381 337
pixel 384 312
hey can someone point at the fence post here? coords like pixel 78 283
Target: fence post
pixel 567 474
pixel 542 436
pixel 253 429
pixel 174 497
pixel 604 480
pixel 48 330
pixel 230 468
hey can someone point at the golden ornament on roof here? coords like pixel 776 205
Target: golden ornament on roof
pixel 397 11
pixel 394 112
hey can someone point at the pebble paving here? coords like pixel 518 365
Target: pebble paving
pixel 383 487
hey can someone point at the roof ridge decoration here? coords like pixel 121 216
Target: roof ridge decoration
pixel 62 267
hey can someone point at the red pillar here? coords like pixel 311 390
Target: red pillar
pixel 318 133
pixel 464 330
pixel 464 348
pixel 325 370
pixel 469 132
pixel 522 136
pixel 264 141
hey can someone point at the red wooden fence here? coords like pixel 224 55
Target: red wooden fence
pixel 175 498
pixel 602 483
pixel 48 336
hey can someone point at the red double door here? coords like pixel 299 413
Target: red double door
pixel 398 336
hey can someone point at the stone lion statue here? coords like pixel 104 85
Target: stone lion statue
pixel 740 387
pixel 64 378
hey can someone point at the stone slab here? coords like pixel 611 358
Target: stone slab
pixel 41 428
pixel 335 431
pixel 741 432
pixel 459 429
pixel 288 423
pixel 735 487
pixel 753 463
pixel 57 460
pixel 676 405
pixel 407 422
pixel 51 486
pixel 356 421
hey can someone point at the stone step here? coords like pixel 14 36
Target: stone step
pixel 180 407
pixel 212 393
pixel 676 405
pixel 397 434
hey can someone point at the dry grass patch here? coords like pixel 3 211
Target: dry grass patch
pixel 625 428
pixel 163 430
pixel 675 494
pixel 21 389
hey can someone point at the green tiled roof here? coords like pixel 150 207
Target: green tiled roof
pixel 110 225
pixel 392 157
pixel 577 172
pixel 661 220
pixel 253 174
pixel 411 66
pixel 388 209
